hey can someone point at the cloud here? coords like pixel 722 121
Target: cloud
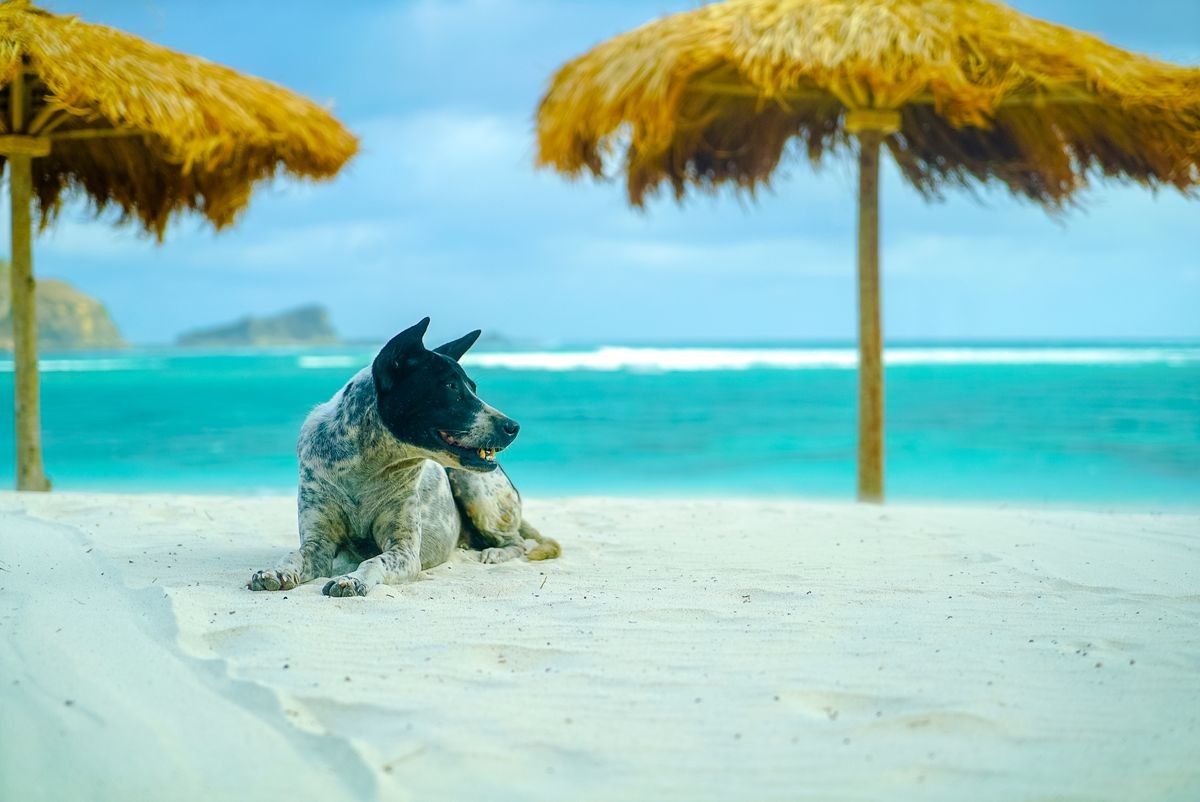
pixel 791 257
pixel 318 246
pixel 97 239
pixel 446 152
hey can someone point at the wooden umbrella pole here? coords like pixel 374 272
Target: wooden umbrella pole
pixel 871 126
pixel 870 338
pixel 19 152
pixel 30 473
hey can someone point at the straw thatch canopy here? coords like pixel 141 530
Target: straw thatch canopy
pixel 151 131
pixel 984 93
pixel 93 111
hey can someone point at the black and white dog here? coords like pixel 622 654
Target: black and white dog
pixel 397 469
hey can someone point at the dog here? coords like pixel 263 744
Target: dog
pixel 398 469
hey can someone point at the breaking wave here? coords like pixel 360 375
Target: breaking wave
pixel 613 358
pixel 88 365
pixel 660 360
pixel 324 362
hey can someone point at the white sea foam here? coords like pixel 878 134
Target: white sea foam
pixel 323 362
pixel 657 360
pixel 88 365
pixel 613 358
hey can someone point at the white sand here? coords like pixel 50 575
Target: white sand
pixel 748 650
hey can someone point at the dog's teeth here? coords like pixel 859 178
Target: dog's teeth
pixel 492 454
pixel 482 454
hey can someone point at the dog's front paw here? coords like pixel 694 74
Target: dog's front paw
pixel 345 586
pixel 273 580
pixel 500 555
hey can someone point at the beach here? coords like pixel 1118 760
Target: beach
pixel 724 649
pixel 873 459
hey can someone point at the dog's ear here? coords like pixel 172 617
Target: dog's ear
pixel 401 349
pixel 456 348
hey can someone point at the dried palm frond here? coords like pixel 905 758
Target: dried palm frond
pixel 151 131
pixel 985 93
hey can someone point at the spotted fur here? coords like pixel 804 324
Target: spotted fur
pixel 393 507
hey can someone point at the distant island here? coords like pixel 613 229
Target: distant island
pixel 305 325
pixel 68 319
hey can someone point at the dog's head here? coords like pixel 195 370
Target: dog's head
pixel 426 400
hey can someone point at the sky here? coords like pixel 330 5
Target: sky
pixel 444 214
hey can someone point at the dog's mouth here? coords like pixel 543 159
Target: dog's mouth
pixel 485 455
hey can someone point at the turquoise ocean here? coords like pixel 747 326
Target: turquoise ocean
pixel 1095 424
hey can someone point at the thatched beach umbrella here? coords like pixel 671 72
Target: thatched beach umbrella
pixel 92 111
pixel 959 91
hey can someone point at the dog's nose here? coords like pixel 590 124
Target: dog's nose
pixel 510 427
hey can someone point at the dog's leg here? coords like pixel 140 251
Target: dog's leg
pixel 399 562
pixel 495 546
pixel 491 511
pixel 314 558
pixel 547 548
pixel 508 545
pixel 321 528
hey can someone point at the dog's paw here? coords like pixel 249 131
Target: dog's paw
pixel 345 586
pixel 500 555
pixel 273 580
